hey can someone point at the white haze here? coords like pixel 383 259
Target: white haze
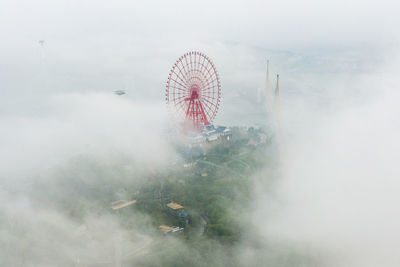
pixel 339 189
pixel 337 195
pixel 96 137
pixel 75 124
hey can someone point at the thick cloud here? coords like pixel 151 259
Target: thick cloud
pixel 338 193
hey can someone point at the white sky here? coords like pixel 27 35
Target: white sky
pixel 107 45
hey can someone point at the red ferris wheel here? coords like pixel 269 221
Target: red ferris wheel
pixel 193 90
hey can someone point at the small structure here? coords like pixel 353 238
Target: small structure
pixel 183 214
pixel 252 143
pixel 212 137
pixel 174 206
pixel 120 204
pixel 188 165
pixel 209 135
pixel 204 174
pixel 119 92
pixel 171 230
pixel 224 132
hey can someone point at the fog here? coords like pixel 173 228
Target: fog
pixel 332 196
pixel 339 177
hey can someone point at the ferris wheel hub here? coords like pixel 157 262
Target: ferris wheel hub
pixel 194 92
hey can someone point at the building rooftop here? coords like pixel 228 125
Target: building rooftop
pixel 220 129
pixel 166 229
pixel 169 229
pixel 174 206
pixel 123 205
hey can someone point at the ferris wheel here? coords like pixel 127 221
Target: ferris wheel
pixel 193 90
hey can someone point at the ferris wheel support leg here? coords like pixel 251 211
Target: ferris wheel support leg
pixel 188 110
pixel 203 114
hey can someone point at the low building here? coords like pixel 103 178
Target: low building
pixel 212 137
pixel 209 134
pixel 174 206
pixel 174 209
pixel 122 204
pixel 224 132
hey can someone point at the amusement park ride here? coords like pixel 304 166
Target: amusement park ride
pixel 193 91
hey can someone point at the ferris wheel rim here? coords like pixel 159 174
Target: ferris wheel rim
pixel 194 71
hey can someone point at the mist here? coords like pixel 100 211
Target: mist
pixel 338 192
pixel 328 192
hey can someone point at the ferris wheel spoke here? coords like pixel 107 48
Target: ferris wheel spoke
pixel 211 103
pixel 204 64
pixel 187 64
pixel 208 92
pixel 207 79
pixel 183 67
pixel 181 83
pixel 186 76
pixel 209 97
pixel 203 67
pixel 191 62
pixel 181 88
pixel 179 106
pixel 186 67
pixel 208 67
pixel 181 100
pixel 206 109
pixel 212 81
pixel 178 83
pixel 203 111
pixel 179 76
pixel 210 72
pixel 194 62
pixel 178 94
pixel 208 89
pixel 180 97
pixel 190 78
pixel 196 80
pixel 201 64
pixel 181 91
